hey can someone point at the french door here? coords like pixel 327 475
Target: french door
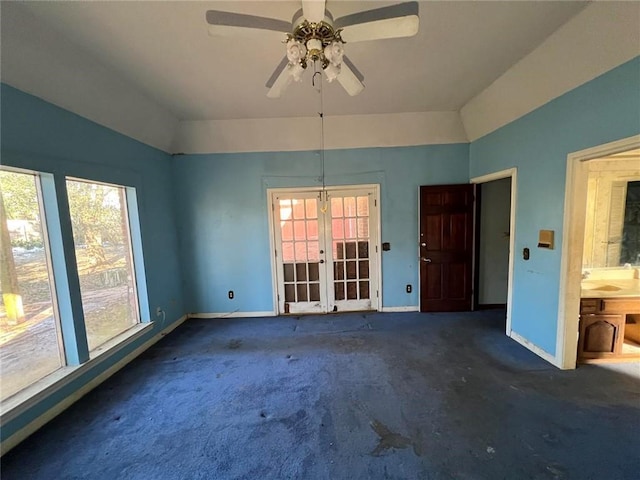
pixel 326 249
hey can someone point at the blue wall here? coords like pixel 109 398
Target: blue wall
pixel 39 136
pixel 603 110
pixel 223 220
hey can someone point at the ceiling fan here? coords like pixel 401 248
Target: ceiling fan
pixel 313 37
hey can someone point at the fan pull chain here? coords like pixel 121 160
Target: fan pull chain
pixel 324 207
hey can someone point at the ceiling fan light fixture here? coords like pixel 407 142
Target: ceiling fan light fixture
pixel 296 51
pixel 296 71
pixel 316 43
pixel 314 49
pixel 334 52
pixel 332 71
pixel 314 37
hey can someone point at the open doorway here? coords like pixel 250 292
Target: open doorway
pixel 605 314
pixel 493 216
pixel 494 238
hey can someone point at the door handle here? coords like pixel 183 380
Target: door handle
pixel 425 259
pixel 321 261
pixel 423 244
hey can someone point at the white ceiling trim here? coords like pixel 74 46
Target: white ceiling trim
pixel 601 37
pixel 77 82
pixel 304 133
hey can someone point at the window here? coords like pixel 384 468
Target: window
pixel 30 342
pixel 103 253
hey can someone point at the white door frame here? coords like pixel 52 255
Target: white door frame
pixel 575 212
pixel 513 174
pixel 376 302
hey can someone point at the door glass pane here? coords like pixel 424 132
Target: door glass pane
pixel 337 228
pixel 29 340
pixel 363 269
pixel 313 250
pixel 105 266
pixel 350 228
pixel 363 206
pixel 352 290
pixel 288 272
pixel 311 208
pixel 363 228
pixel 314 292
pixel 312 229
pixel 350 207
pixel 363 249
pixel 301 251
pixel 298 209
pixel 338 270
pixel 285 209
pixel 364 290
pixel 314 272
pixel 339 290
pixel 302 292
pixel 301 272
pixel 299 230
pixel 336 207
pixel 289 292
pixel 287 230
pixel 287 252
pixel 351 270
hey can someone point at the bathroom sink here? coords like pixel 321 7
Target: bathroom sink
pixel 600 286
pixel 610 288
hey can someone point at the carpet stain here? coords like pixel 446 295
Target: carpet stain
pixel 234 344
pixel 389 439
pixel 557 471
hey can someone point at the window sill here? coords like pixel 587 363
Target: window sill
pixel 35 393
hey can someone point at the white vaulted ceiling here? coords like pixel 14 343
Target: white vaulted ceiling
pixel 156 62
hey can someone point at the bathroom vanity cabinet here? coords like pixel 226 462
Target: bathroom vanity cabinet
pixel 609 329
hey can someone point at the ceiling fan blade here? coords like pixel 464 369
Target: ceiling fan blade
pixel 279 80
pixel 395 21
pixel 350 78
pixel 313 10
pixel 228 24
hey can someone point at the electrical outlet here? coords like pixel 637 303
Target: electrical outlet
pixel 230 294
pixel 409 288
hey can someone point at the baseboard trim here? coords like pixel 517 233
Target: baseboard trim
pixel 535 349
pixel 61 406
pixel 232 315
pixel 491 306
pixel 409 308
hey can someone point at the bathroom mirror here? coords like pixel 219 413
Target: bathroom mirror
pixel 612 227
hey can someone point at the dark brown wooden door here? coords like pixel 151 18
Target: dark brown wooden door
pixel 446 248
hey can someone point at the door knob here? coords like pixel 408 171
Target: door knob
pixel 321 261
pixel 423 244
pixel 425 259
